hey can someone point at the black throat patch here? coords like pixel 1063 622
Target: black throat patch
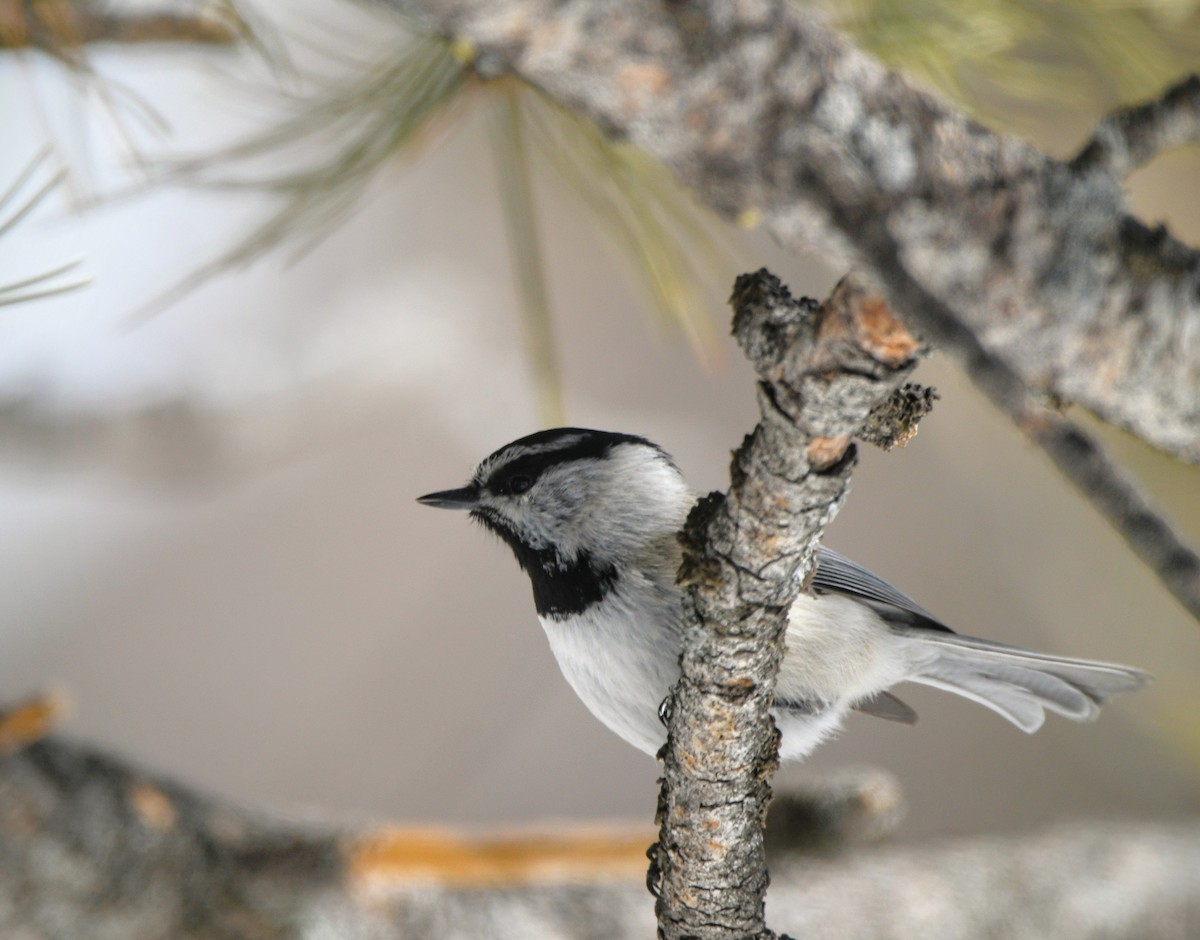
pixel 561 587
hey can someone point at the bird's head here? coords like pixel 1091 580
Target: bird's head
pixel 571 498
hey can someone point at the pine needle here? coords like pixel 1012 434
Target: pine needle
pixel 529 270
pixel 15 206
pixel 677 249
pixel 995 56
pixel 373 116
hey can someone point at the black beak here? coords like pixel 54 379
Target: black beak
pixel 465 498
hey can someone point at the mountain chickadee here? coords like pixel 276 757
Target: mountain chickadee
pixel 592 517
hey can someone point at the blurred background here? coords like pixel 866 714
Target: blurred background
pixel 210 542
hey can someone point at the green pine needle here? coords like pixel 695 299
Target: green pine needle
pixel 380 112
pixel 994 56
pixel 16 203
pixel 529 269
pixel 680 251
pixel 377 114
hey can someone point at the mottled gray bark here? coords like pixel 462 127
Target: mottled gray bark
pixel 823 369
pixel 92 848
pixel 766 114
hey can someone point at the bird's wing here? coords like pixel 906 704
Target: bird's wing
pixel 837 574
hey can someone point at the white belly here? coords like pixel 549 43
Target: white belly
pixel 620 664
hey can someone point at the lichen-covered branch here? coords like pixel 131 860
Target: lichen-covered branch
pixel 823 369
pixel 765 113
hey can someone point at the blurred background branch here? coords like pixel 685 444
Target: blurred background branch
pixel 63 28
pixel 90 846
pixel 991 57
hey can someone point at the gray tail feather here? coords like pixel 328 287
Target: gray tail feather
pixel 1019 684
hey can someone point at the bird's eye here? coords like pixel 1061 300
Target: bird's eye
pixel 519 484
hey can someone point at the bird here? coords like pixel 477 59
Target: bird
pixel 593 519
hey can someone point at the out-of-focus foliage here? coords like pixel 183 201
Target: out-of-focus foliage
pixel 384 107
pixel 65 29
pixel 357 124
pixel 680 251
pixel 676 248
pixel 995 55
pixel 525 248
pixel 21 198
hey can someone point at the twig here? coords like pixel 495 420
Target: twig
pixel 1117 496
pixel 894 423
pixel 1133 136
pixel 60 27
pixel 823 369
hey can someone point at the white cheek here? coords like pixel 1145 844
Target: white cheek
pixel 653 502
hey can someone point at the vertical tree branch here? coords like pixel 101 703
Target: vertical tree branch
pixel 823 369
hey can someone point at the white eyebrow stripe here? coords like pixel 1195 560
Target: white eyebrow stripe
pixel 517 451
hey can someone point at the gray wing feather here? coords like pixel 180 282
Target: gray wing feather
pixel 1018 684
pixel 837 574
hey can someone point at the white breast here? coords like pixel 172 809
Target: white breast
pixel 621 656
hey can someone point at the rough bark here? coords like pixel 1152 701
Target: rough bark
pixel 768 115
pixel 91 847
pixel 823 369
pixel 1133 136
